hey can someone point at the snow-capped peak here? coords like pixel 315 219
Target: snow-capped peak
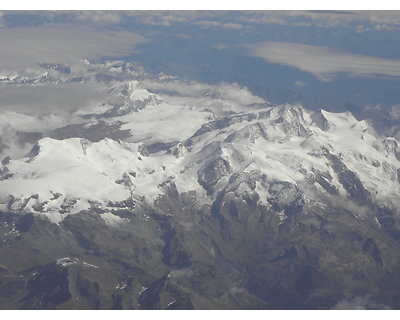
pixel 131 97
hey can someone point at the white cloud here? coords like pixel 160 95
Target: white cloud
pixel 228 91
pixel 208 23
pixel 26 46
pixel 108 17
pixel 223 97
pixel 221 46
pixel 12 122
pixel 360 303
pixel 48 98
pixel 301 83
pixel 231 25
pixel 164 18
pixel 376 19
pixel 324 62
pixel 380 16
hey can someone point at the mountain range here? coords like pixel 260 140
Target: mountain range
pixel 151 202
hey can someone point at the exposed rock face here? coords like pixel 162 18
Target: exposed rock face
pixel 212 172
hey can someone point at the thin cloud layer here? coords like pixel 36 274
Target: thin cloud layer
pixel 224 97
pixel 96 16
pixel 48 98
pixel 26 46
pixel 324 62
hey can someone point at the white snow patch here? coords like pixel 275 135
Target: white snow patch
pixel 112 219
pixel 67 261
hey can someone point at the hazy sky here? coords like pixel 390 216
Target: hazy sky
pixel 92 33
pixel 325 45
pixel 58 36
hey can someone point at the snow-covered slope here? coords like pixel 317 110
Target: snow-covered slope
pixel 65 176
pixel 318 152
pixel 281 153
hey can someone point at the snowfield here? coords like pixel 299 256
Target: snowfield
pixel 203 151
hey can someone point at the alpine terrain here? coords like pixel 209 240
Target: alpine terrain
pixel 157 198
